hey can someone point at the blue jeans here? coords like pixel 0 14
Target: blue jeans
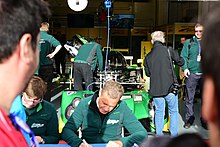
pixel 172 102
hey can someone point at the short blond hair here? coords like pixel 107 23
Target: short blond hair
pixel 113 89
pixel 157 36
pixel 44 26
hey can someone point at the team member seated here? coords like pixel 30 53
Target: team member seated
pixel 41 115
pixel 101 118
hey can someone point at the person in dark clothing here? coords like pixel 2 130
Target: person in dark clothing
pixel 41 115
pixel 158 67
pixel 60 56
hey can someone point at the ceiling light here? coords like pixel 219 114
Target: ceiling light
pixel 77 5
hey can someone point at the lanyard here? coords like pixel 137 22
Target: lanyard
pixel 199 47
pixel 19 123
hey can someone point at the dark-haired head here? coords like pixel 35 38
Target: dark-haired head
pixel 19 17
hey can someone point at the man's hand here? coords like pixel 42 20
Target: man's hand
pixel 186 73
pixel 115 143
pixel 50 55
pixel 85 145
pixel 39 139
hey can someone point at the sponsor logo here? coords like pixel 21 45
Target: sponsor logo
pixel 36 125
pixel 109 121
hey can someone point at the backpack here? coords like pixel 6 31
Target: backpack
pixel 190 43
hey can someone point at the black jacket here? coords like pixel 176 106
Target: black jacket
pixel 158 68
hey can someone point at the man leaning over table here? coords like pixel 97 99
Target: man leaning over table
pixel 101 118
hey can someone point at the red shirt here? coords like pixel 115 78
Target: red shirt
pixel 9 136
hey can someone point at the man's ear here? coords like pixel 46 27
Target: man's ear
pixel 209 107
pixel 25 46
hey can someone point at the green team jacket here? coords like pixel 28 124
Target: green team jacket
pixel 190 56
pixel 46 45
pixel 43 122
pixel 90 53
pixel 96 131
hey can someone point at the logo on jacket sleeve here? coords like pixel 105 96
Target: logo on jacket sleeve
pixel 37 125
pixel 112 121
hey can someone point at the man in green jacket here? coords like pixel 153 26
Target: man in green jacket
pixel 46 45
pixel 41 115
pixel 101 118
pixel 191 53
pixel 85 64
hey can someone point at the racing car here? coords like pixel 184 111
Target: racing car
pixel 136 95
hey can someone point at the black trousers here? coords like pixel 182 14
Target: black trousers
pixel 60 60
pixel 82 71
pixel 46 73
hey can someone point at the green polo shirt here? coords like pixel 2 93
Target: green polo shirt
pixel 46 46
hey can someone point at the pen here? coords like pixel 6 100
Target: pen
pixel 84 141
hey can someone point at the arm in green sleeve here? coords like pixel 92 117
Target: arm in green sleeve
pixel 99 57
pixel 134 127
pixel 52 135
pixel 69 133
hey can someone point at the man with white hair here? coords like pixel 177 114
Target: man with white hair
pixel 158 67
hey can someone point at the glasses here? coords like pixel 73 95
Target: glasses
pixel 199 31
pixel 20 124
pixel 32 99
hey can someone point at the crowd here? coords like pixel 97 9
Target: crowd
pixel 27 118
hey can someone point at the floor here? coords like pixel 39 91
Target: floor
pixel 196 127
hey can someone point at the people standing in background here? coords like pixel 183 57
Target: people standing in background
pixel 85 64
pixel 191 54
pixel 180 46
pixel 47 43
pixel 19 26
pixel 211 91
pixel 181 73
pixel 60 56
pixel 41 115
pixel 158 67
pixel 182 41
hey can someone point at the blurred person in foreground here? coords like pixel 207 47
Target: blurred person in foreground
pixel 19 38
pixel 182 140
pixel 41 115
pixel 211 73
pixel 101 118
pixel 162 78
